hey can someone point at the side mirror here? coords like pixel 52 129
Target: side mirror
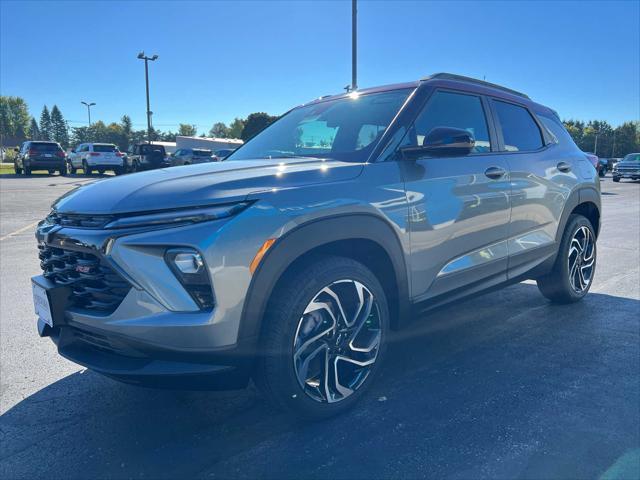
pixel 442 142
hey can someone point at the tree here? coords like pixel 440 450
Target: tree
pixel 127 132
pixel 14 119
pixel 34 131
pixel 45 124
pixel 59 129
pixel 186 130
pixel 235 128
pixel 219 130
pixel 255 123
pixel 627 139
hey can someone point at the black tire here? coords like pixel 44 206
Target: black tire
pixel 71 169
pixel 135 167
pixel 556 285
pixel 27 171
pixel 63 171
pixel 275 373
pixel 85 167
pixel 616 179
pixel 17 169
pixel 602 173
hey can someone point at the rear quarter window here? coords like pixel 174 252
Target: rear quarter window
pixel 520 131
pixel 555 129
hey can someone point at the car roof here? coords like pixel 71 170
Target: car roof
pixel 453 81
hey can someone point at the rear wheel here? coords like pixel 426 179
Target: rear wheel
pixel 63 170
pixel 575 265
pixel 71 169
pixel 85 167
pixel 323 338
pixel 17 169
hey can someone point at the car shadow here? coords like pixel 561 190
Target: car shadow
pixel 502 385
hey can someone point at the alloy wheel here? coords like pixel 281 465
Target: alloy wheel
pixel 337 341
pixel 581 259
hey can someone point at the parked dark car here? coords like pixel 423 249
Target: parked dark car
pixel 36 155
pixel 603 166
pixel 190 156
pixel 292 261
pixel 628 167
pixel 224 153
pixel 147 156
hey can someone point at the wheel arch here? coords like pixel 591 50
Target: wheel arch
pixel 584 201
pixel 361 237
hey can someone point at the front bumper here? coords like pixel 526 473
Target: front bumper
pixel 156 336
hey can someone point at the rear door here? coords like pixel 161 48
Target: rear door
pixel 540 184
pixel 459 207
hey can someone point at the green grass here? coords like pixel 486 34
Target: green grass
pixel 6 168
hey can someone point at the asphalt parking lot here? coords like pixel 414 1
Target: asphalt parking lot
pixel 505 385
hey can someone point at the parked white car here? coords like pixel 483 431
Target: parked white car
pixel 96 156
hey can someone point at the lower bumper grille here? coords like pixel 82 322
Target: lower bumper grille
pixel 94 285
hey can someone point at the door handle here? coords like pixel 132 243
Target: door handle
pixel 495 172
pixel 564 167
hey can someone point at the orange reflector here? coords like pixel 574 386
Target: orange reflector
pixel 258 258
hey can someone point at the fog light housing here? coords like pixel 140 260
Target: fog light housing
pixel 189 268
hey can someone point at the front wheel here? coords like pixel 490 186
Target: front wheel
pixel 575 265
pixel 323 337
pixel 616 179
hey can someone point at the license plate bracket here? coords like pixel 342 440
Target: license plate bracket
pixel 57 298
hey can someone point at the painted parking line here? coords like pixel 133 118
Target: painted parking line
pixel 20 230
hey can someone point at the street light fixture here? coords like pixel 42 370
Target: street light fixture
pixel 146 59
pixel 89 105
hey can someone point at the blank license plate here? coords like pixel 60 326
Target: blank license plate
pixel 41 304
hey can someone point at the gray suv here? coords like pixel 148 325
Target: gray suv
pixel 291 261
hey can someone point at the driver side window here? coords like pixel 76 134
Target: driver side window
pixel 454 110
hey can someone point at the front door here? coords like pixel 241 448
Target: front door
pixel 459 207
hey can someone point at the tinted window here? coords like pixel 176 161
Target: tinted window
pixel 202 153
pixel 555 128
pixel 445 109
pixel 45 147
pixel 519 130
pixel 104 148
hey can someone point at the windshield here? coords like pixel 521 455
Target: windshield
pixel 345 129
pixel 45 147
pixel 632 157
pixel 104 148
pixel 202 153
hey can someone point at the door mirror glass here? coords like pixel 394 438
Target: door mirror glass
pixel 442 142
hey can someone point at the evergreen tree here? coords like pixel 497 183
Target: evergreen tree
pixel 59 130
pixel 127 132
pixel 45 124
pixel 34 131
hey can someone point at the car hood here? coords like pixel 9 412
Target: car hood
pixel 202 184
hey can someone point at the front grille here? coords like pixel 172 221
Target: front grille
pixel 95 286
pixel 79 220
pixel 628 169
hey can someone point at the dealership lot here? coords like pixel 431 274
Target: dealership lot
pixel 504 385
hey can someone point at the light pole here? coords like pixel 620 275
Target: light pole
pixel 595 146
pixel 146 59
pixel 89 105
pixel 354 45
pixel 613 148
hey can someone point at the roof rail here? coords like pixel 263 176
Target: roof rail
pixel 461 78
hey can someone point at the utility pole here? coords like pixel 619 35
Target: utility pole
pixel 89 105
pixel 354 45
pixel 595 146
pixel 146 59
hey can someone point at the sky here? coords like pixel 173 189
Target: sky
pixel 220 60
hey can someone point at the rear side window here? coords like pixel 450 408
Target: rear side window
pixel 519 130
pixel 555 128
pixel 445 109
pixel 202 153
pixel 104 148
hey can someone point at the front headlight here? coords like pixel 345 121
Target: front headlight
pixel 178 216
